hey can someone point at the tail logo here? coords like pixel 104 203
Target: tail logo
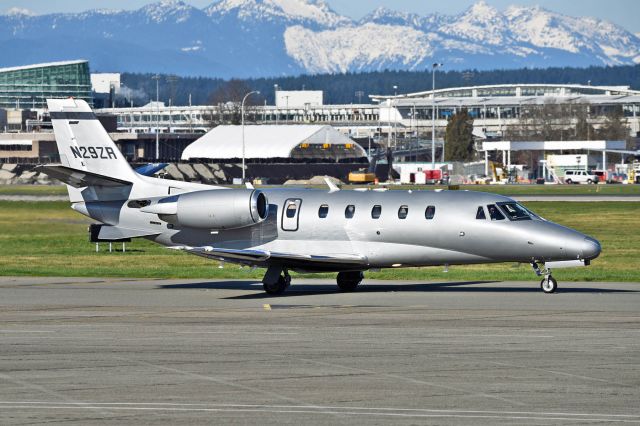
pixel 103 152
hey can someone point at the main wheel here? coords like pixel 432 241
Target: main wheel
pixel 348 281
pixel 278 287
pixel 549 284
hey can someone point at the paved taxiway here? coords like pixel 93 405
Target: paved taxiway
pixel 96 351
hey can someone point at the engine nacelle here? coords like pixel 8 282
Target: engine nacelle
pixel 214 209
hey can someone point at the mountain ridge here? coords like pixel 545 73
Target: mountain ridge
pixel 259 38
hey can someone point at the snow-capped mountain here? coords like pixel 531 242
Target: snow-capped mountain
pixel 242 38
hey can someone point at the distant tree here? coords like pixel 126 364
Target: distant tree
pixel 229 97
pixel 459 137
pixel 615 126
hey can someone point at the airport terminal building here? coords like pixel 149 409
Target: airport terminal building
pixel 495 108
pixel 29 86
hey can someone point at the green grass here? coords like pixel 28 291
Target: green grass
pixel 48 238
pixel 33 190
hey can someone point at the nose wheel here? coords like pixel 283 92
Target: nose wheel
pixel 548 284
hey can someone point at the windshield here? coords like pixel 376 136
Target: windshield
pixel 515 211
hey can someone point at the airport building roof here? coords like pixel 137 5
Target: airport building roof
pixel 268 141
pixel 514 90
pixel 43 65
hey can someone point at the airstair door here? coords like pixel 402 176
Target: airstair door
pixel 290 214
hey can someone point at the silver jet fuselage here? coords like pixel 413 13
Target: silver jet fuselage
pixel 385 228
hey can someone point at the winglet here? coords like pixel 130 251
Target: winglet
pixel 249 185
pixel 332 186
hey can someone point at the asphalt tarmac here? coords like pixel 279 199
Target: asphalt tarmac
pixel 105 351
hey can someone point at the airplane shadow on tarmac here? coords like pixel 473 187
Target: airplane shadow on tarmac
pixel 315 289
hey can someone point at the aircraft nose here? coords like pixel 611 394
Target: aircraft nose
pixel 590 248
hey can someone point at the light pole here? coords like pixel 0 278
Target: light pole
pixel 433 117
pixel 157 79
pixel 242 119
pixel 275 100
pixel 395 121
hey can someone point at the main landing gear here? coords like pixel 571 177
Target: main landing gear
pixel 548 283
pixel 276 280
pixel 348 281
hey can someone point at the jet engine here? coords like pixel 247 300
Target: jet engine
pixel 213 209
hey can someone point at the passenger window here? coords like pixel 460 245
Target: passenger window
pixel 291 210
pixel 323 211
pixel 494 213
pixel 349 211
pixel 376 211
pixel 430 212
pixel 402 212
pixel 480 214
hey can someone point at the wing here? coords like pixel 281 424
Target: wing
pixel 307 262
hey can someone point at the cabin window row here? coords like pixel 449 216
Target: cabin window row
pixel 376 211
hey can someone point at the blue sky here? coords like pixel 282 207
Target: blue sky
pixel 622 12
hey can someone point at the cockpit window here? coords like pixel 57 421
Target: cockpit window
pixel 494 213
pixel 480 213
pixel 515 211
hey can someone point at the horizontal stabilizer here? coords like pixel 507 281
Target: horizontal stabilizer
pixel 108 232
pixel 79 178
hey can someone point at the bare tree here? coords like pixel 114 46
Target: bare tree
pixel 229 98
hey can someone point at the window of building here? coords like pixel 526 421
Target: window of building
pixel 376 211
pixel 430 212
pixel 403 211
pixel 323 211
pixel 349 211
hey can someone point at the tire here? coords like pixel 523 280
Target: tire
pixel 568 181
pixel 549 285
pixel 277 288
pixel 589 181
pixel 348 281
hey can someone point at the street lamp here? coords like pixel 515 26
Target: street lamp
pixel 433 117
pixel 275 100
pixel 242 116
pixel 157 79
pixel 395 121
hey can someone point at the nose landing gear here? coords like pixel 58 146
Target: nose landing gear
pixel 548 284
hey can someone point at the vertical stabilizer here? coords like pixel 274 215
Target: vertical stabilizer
pixel 83 143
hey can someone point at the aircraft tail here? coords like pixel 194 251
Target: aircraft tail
pixel 89 157
pixel 83 143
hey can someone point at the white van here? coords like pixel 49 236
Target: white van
pixel 579 176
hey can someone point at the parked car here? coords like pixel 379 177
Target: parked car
pixel 580 176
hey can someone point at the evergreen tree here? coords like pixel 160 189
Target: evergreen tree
pixel 459 137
